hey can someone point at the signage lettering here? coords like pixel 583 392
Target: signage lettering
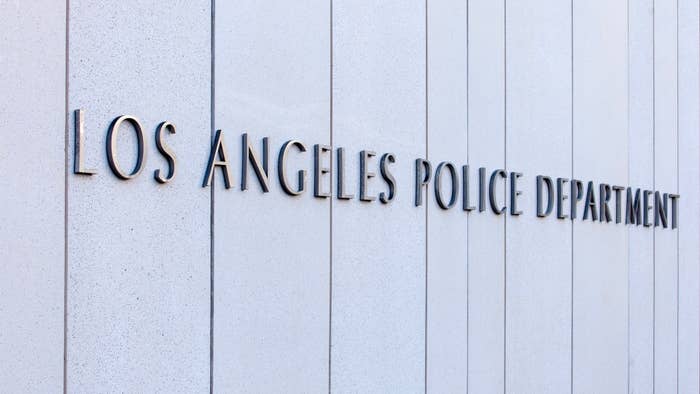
pixel 600 202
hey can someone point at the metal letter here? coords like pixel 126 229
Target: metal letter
pixel 341 176
pixel 320 170
pixel 561 197
pixel 604 200
pixel 365 175
pixel 112 147
pixel 248 155
pixel 78 149
pixel 590 207
pixel 282 169
pixel 465 190
pixel 482 189
pixel 514 193
pixel 674 210
pixel 647 207
pixel 438 185
pixel 492 192
pixel 217 158
pixel 634 207
pixel 388 178
pixel 618 203
pixel 660 210
pixel 547 181
pixel 422 179
pixel 166 152
pixel 575 196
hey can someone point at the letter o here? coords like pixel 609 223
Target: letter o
pixel 112 147
pixel 438 185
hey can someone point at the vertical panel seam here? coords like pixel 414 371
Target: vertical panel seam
pixel 678 283
pixel 653 160
pixel 629 164
pixel 65 210
pixel 330 209
pixel 464 180
pixel 211 198
pixel 425 326
pixel 505 216
pixel 571 328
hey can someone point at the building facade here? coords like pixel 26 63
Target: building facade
pixel 348 196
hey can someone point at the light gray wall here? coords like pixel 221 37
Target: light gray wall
pixel 32 196
pixel 138 252
pixel 447 323
pixel 271 251
pixel 486 234
pixel 641 172
pixel 538 262
pixel 665 177
pixel 600 153
pixel 689 188
pixel 133 286
pixel 379 252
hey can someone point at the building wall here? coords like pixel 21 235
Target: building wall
pixel 111 285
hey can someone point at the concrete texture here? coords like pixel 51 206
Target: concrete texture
pixel 600 153
pixel 32 180
pixel 538 263
pixel 272 251
pixel 182 288
pixel 446 282
pixel 138 251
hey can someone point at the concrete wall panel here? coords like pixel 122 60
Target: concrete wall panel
pixel 538 250
pixel 666 180
pixel 272 251
pixel 600 154
pixel 138 251
pixel 379 252
pixel 486 141
pixel 689 189
pixel 32 180
pixel 447 229
pixel 641 173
